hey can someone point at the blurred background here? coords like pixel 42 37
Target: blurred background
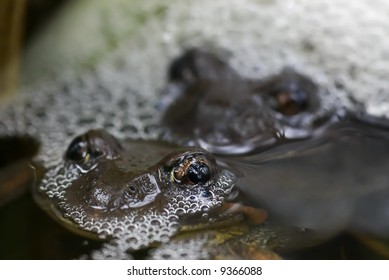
pixel 343 41
pixel 20 20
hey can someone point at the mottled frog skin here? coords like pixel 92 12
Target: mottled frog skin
pixel 143 193
pixel 191 173
pixel 127 181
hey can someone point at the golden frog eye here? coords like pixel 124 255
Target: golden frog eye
pixel 290 102
pixel 192 170
pixel 290 93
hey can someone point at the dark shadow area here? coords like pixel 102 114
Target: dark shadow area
pixel 342 247
pixel 32 234
pixel 39 13
pixel 16 148
pixel 16 171
pixel 28 232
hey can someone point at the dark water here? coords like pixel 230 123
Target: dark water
pixel 28 233
pixel 338 180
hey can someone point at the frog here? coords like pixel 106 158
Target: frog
pixel 133 191
pixel 152 195
pixel 254 114
pixel 266 126
pixel 127 189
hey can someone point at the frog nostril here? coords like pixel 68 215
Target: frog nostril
pixel 140 191
pixel 131 189
pixel 206 193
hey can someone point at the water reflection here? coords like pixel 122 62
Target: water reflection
pixel 336 181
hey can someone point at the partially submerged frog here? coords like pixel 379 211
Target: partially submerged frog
pixel 301 153
pixel 144 193
pixel 209 104
pixel 132 190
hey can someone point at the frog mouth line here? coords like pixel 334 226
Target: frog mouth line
pixel 227 215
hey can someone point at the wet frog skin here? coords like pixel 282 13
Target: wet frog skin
pixel 311 162
pixel 208 104
pixel 142 194
pixel 134 191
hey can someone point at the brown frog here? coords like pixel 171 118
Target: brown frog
pixel 147 194
pixel 132 189
pixel 302 154
pixel 208 104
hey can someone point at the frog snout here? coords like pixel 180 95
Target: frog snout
pixel 140 191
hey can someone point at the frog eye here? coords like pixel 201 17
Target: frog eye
pixel 195 170
pixel 195 65
pixel 290 93
pixel 77 150
pixel 290 102
pixel 92 145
